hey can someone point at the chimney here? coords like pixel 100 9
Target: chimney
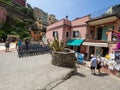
pixel 66 17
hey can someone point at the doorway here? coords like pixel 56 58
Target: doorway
pixel 99 33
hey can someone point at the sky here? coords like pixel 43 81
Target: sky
pixel 71 8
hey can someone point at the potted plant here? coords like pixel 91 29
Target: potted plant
pixel 61 56
pixel 114 35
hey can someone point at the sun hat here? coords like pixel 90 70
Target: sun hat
pixel 91 55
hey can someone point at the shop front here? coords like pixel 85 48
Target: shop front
pixel 74 44
pixel 96 48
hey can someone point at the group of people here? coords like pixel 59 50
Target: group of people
pixel 18 44
pixel 7 44
pixel 96 63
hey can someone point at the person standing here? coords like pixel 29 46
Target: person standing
pixel 19 44
pixel 27 42
pixel 93 64
pixel 99 65
pixel 7 45
pixel 16 43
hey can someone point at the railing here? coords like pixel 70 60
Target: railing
pixel 101 12
pixel 106 11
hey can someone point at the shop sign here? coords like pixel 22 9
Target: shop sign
pixel 117 57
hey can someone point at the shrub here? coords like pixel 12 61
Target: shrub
pixel 56 45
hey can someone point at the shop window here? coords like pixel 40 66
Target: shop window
pixel 55 34
pixel 67 34
pixel 75 34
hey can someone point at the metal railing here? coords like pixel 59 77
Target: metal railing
pixel 106 11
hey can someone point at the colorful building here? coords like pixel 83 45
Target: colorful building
pixel 73 33
pixel 3 16
pixel 89 35
pixel 36 31
pixel 43 19
pixel 100 40
pixel 20 2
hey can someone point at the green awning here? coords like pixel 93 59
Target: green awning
pixel 74 42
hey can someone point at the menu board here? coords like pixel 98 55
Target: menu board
pixel 117 57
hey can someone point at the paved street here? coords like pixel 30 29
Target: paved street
pixel 28 73
pixel 84 80
pixel 36 73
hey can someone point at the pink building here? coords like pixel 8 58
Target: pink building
pixel 100 39
pixel 3 15
pixel 20 2
pixel 72 33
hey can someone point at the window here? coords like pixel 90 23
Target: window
pixel 55 34
pixel 75 33
pixel 67 34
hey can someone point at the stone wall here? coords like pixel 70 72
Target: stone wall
pixel 63 59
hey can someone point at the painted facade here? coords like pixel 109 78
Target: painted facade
pixel 60 28
pixel 65 30
pixel 80 25
pixel 3 16
pixel 95 31
pixel 100 40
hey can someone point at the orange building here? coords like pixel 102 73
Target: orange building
pixel 36 31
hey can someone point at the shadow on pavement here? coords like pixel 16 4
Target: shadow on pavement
pixel 8 51
pixel 79 74
pixel 102 74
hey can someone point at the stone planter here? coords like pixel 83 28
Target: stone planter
pixel 64 59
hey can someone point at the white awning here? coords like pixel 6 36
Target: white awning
pixel 95 44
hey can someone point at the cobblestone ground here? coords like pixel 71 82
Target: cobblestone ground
pixel 84 80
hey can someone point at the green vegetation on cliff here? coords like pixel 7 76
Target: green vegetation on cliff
pixel 19 19
pixel 15 26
